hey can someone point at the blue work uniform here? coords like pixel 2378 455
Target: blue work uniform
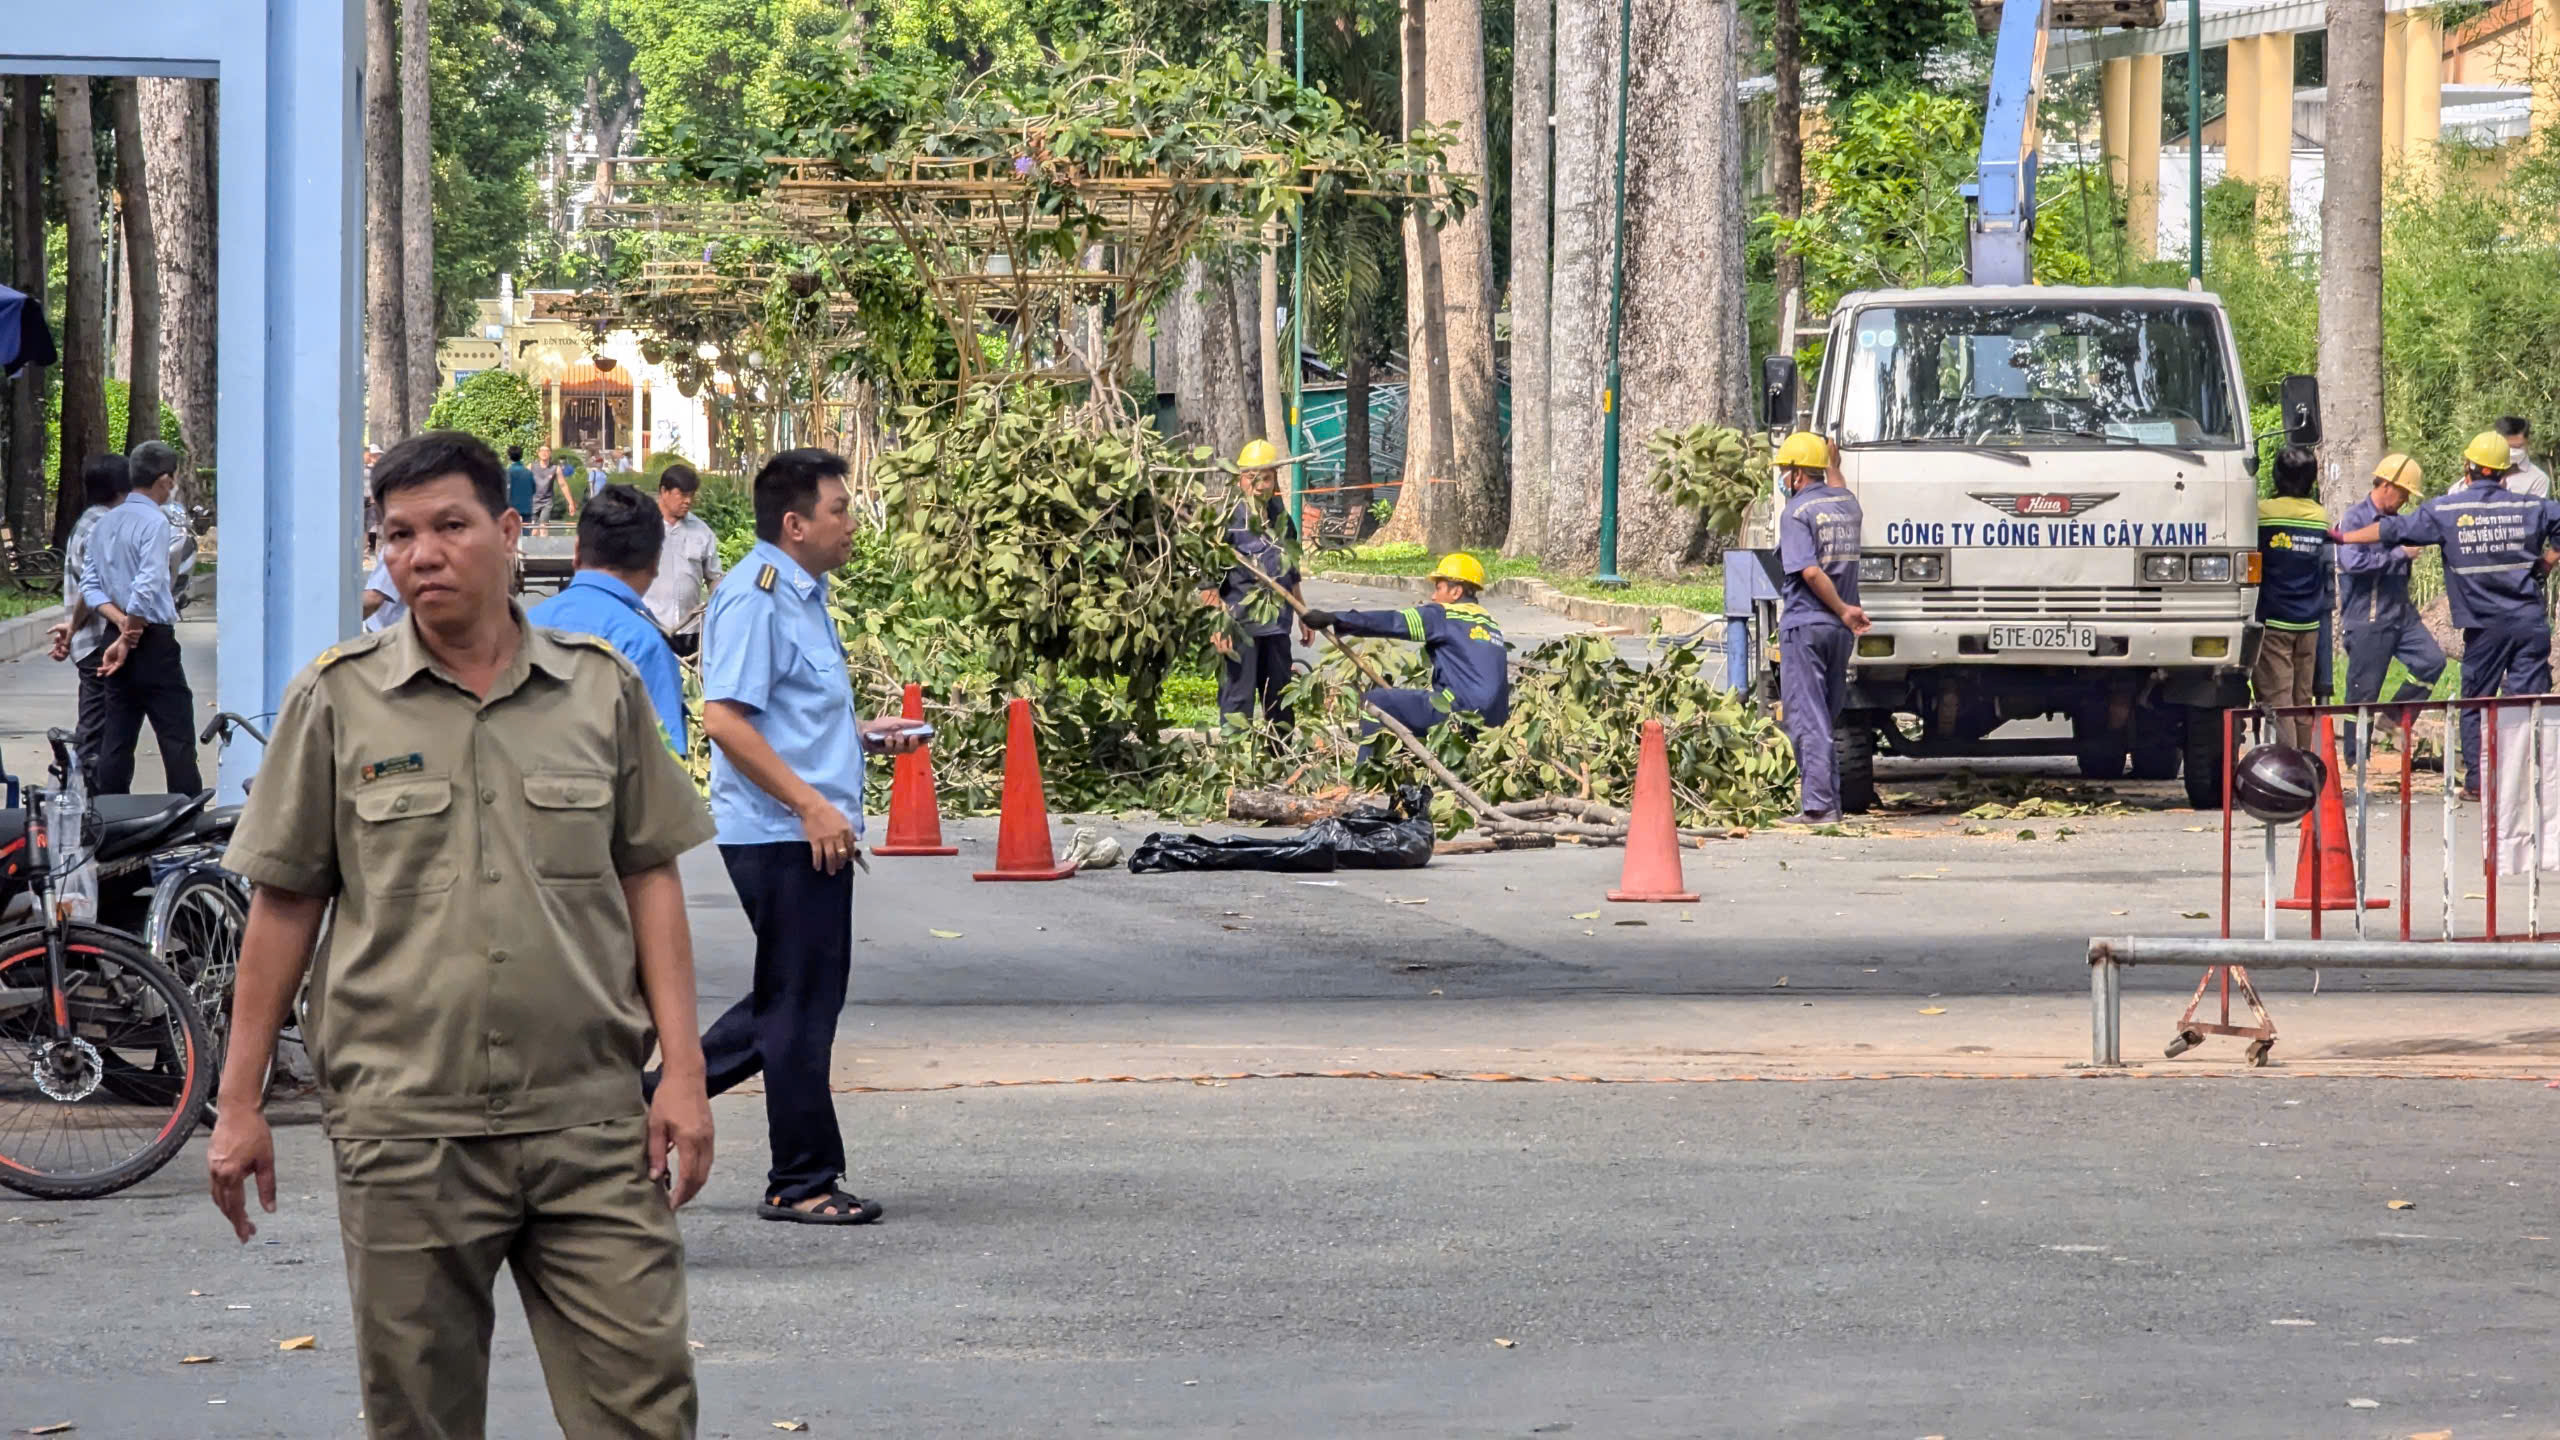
pixel 1818 529
pixel 1470 662
pixel 770 648
pixel 520 490
pixel 2493 541
pixel 595 603
pixel 2381 622
pixel 1259 665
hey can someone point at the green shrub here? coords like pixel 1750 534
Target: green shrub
pixel 119 405
pixel 496 405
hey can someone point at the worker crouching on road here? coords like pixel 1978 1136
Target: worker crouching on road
pixel 2381 622
pixel 1819 615
pixel 1256 651
pixel 2293 548
pixel 2497 547
pixel 1470 662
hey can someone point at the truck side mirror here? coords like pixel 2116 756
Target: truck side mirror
pixel 2299 405
pixel 1778 391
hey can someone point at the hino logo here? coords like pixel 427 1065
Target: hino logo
pixel 2060 507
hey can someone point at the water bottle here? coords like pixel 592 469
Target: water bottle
pixel 75 883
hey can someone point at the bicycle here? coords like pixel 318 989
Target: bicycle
pixel 105 1062
pixel 31 567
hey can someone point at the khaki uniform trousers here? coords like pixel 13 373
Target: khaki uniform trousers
pixel 2287 674
pixel 597 1258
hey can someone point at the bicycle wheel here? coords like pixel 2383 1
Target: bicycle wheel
pixel 199 940
pixel 92 1114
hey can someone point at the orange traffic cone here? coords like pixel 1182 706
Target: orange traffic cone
pixel 1023 851
pixel 915 816
pixel 1653 840
pixel 2324 843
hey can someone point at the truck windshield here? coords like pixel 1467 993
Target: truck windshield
pixel 2075 374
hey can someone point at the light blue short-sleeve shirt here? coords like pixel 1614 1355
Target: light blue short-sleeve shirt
pixel 769 646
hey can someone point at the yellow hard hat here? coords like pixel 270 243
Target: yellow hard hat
pixel 2488 450
pixel 2398 469
pixel 1803 449
pixel 1257 455
pixel 1461 567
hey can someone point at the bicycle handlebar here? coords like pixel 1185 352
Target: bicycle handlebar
pixel 224 722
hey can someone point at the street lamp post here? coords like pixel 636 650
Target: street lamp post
pixel 1611 401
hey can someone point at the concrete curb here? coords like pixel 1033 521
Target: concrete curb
pixel 25 635
pixel 1634 619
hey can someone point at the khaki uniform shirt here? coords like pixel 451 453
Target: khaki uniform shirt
pixel 478 976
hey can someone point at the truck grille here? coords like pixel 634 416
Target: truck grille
pixel 2040 602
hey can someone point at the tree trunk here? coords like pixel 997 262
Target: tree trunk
pixel 1240 296
pixel 417 219
pixel 2351 255
pixel 1275 414
pixel 142 271
pixel 1424 458
pixel 1357 473
pixel 84 311
pixel 1471 510
pixel 177 126
pixel 1687 342
pixel 1532 100
pixel 386 355
pixel 1586 70
pixel 1786 142
pixel 1218 407
pixel 25 150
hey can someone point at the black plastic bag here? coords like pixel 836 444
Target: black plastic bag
pixel 1397 838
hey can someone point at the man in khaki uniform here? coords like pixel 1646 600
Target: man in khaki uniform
pixel 496 816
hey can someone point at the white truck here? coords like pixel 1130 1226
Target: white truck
pixel 2060 488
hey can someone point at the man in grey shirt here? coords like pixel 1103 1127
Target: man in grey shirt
pixel 82 638
pixel 689 566
pixel 127 580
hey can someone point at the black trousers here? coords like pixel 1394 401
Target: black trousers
pixel 92 724
pixel 686 645
pixel 786 1027
pixel 1252 679
pixel 150 685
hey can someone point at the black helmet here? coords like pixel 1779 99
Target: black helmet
pixel 2277 783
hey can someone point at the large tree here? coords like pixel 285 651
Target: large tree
pixel 177 138
pixel 2351 253
pixel 1578 321
pixel 1686 339
pixel 142 313
pixel 386 354
pixel 1786 139
pixel 84 303
pixel 418 327
pixel 1532 98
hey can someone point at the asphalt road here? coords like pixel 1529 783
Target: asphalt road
pixel 1967 1259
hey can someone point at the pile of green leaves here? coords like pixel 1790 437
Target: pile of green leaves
pixel 1072 543
pixel 1713 469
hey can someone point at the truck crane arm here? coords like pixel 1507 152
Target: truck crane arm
pixel 2000 245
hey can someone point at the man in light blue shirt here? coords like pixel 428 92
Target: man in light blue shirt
pixel 126 580
pixel 786 796
pixel 82 637
pixel 619 535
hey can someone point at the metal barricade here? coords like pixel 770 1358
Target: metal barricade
pixel 2228 959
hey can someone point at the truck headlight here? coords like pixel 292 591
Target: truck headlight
pixel 2164 569
pixel 1923 569
pixel 2209 569
pixel 1875 569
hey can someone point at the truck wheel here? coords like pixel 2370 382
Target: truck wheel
pixel 1853 749
pixel 2203 751
pixel 2100 750
pixel 2159 734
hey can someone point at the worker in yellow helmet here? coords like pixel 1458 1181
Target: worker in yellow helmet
pixel 2380 621
pixel 2498 545
pixel 1470 661
pixel 1818 614
pixel 1255 638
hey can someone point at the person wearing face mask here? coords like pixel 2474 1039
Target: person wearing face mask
pixel 2523 476
pixel 2381 623
pixel 1819 617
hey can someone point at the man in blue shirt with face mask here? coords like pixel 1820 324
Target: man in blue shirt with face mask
pixel 1819 615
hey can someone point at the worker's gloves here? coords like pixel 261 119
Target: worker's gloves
pixel 1318 619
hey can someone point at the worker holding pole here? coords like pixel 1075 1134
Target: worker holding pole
pixel 1470 662
pixel 1261 532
